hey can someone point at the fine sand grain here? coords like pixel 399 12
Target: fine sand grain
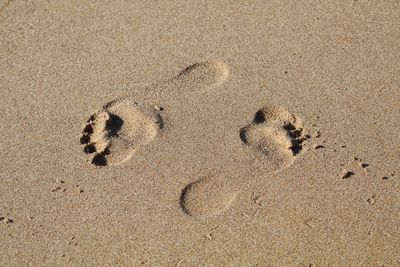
pixel 199 133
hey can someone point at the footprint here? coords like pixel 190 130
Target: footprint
pixel 276 134
pixel 209 73
pixel 206 197
pixel 114 133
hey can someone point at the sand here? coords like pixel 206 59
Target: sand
pixel 199 133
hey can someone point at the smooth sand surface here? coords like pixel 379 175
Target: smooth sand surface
pixel 200 133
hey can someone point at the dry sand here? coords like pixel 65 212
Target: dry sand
pixel 200 133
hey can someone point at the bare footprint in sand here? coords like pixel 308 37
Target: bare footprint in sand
pixel 113 134
pixel 118 129
pixel 276 134
pixel 206 197
pixel 210 73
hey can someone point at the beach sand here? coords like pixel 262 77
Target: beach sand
pixel 199 133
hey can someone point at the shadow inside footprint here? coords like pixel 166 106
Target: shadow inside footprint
pixel 242 135
pixel 259 117
pixel 99 160
pixel 114 124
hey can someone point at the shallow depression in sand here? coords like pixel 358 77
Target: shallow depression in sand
pixel 208 73
pixel 206 197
